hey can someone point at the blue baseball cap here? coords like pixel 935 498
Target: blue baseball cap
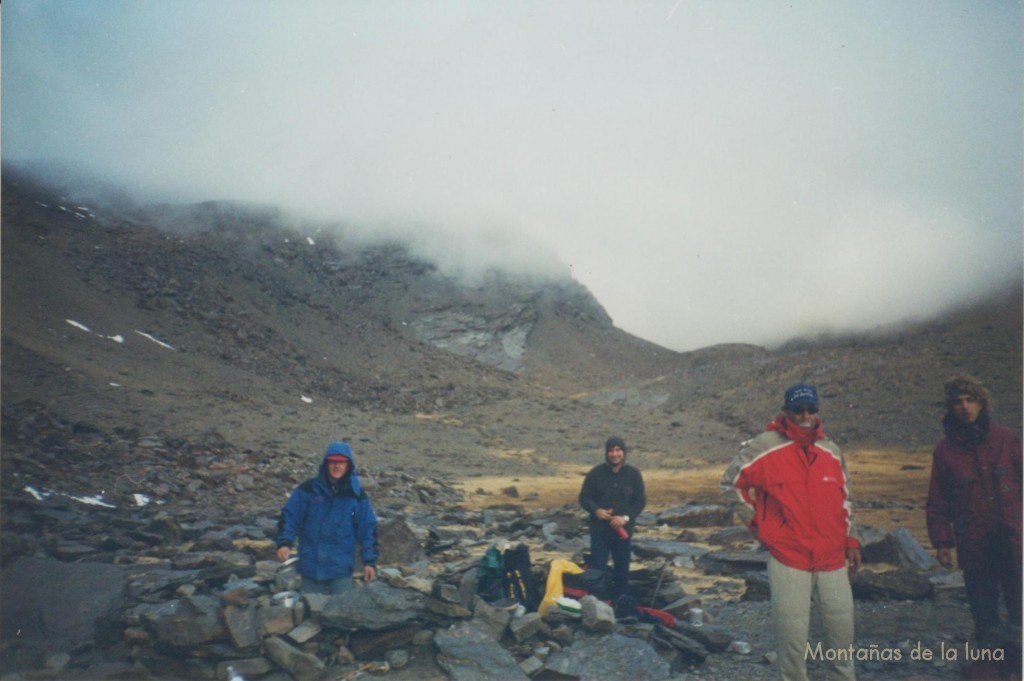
pixel 801 394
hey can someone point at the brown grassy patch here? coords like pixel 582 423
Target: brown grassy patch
pixel 888 476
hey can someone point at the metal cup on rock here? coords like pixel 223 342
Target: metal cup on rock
pixel 286 578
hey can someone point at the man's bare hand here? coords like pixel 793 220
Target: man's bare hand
pixel 284 553
pixel 853 560
pixel 603 513
pixel 945 558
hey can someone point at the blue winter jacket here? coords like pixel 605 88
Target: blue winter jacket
pixel 329 520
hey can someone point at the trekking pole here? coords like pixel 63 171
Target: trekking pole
pixel 657 587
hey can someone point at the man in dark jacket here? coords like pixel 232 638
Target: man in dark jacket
pixel 329 515
pixel 974 504
pixel 613 494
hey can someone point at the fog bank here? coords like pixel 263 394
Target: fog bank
pixel 712 172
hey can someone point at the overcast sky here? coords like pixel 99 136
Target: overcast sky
pixel 727 171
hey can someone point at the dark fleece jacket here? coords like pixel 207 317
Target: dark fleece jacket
pixel 623 492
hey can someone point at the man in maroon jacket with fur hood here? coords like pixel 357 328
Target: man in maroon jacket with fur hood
pixel 974 504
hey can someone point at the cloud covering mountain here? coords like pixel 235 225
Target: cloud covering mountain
pixel 713 172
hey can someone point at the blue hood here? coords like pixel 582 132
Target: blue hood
pixel 345 449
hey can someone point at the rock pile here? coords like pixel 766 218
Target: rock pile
pixel 170 570
pixel 109 592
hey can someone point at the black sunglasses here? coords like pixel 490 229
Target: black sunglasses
pixel 805 408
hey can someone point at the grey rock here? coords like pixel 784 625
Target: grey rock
pixel 446 592
pixel 399 544
pixel 396 659
pixel 287 579
pixel 249 586
pixel 732 537
pixel 895 548
pixel 550 531
pixel 492 620
pixel 608 657
pixel 910 551
pixel 596 615
pixel 186 621
pixel 714 638
pixel 681 606
pixel 948 584
pixel 69 551
pixel 374 606
pixel 242 626
pixel 302 666
pixel 900 584
pixel 304 632
pixel 445 609
pixel 757 588
pixel 57 662
pixel 698 515
pixel 316 604
pixel 89 592
pixel 468 585
pixel 646 548
pixel 871 543
pixel 733 562
pixel 373 644
pixel 156 583
pixel 692 651
pixel 275 619
pixel 468 654
pixel 251 667
pixel 498 340
pixel 526 626
pixel 531 665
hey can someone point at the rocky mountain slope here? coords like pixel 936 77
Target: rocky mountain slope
pixel 185 365
pixel 231 324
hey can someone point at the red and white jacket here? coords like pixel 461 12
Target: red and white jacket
pixel 798 488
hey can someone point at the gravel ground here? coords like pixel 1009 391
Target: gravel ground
pixel 882 628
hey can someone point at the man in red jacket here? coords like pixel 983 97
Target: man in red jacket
pixel 794 479
pixel 974 504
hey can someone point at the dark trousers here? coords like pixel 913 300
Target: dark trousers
pixel 330 587
pixel 991 566
pixel 604 543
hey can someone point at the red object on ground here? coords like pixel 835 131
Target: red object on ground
pixel 667 618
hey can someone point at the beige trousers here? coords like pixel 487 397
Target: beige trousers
pixel 791 592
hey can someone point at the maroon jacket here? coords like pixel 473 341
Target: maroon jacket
pixel 975 487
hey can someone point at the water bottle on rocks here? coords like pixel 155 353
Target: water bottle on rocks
pixel 740 647
pixel 233 675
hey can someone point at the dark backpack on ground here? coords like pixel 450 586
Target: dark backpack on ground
pixel 595 582
pixel 519 582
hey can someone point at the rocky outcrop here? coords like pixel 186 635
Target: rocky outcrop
pixel 66 605
pixel 498 340
pixel 188 595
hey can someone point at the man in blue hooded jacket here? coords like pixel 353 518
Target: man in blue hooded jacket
pixel 329 515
